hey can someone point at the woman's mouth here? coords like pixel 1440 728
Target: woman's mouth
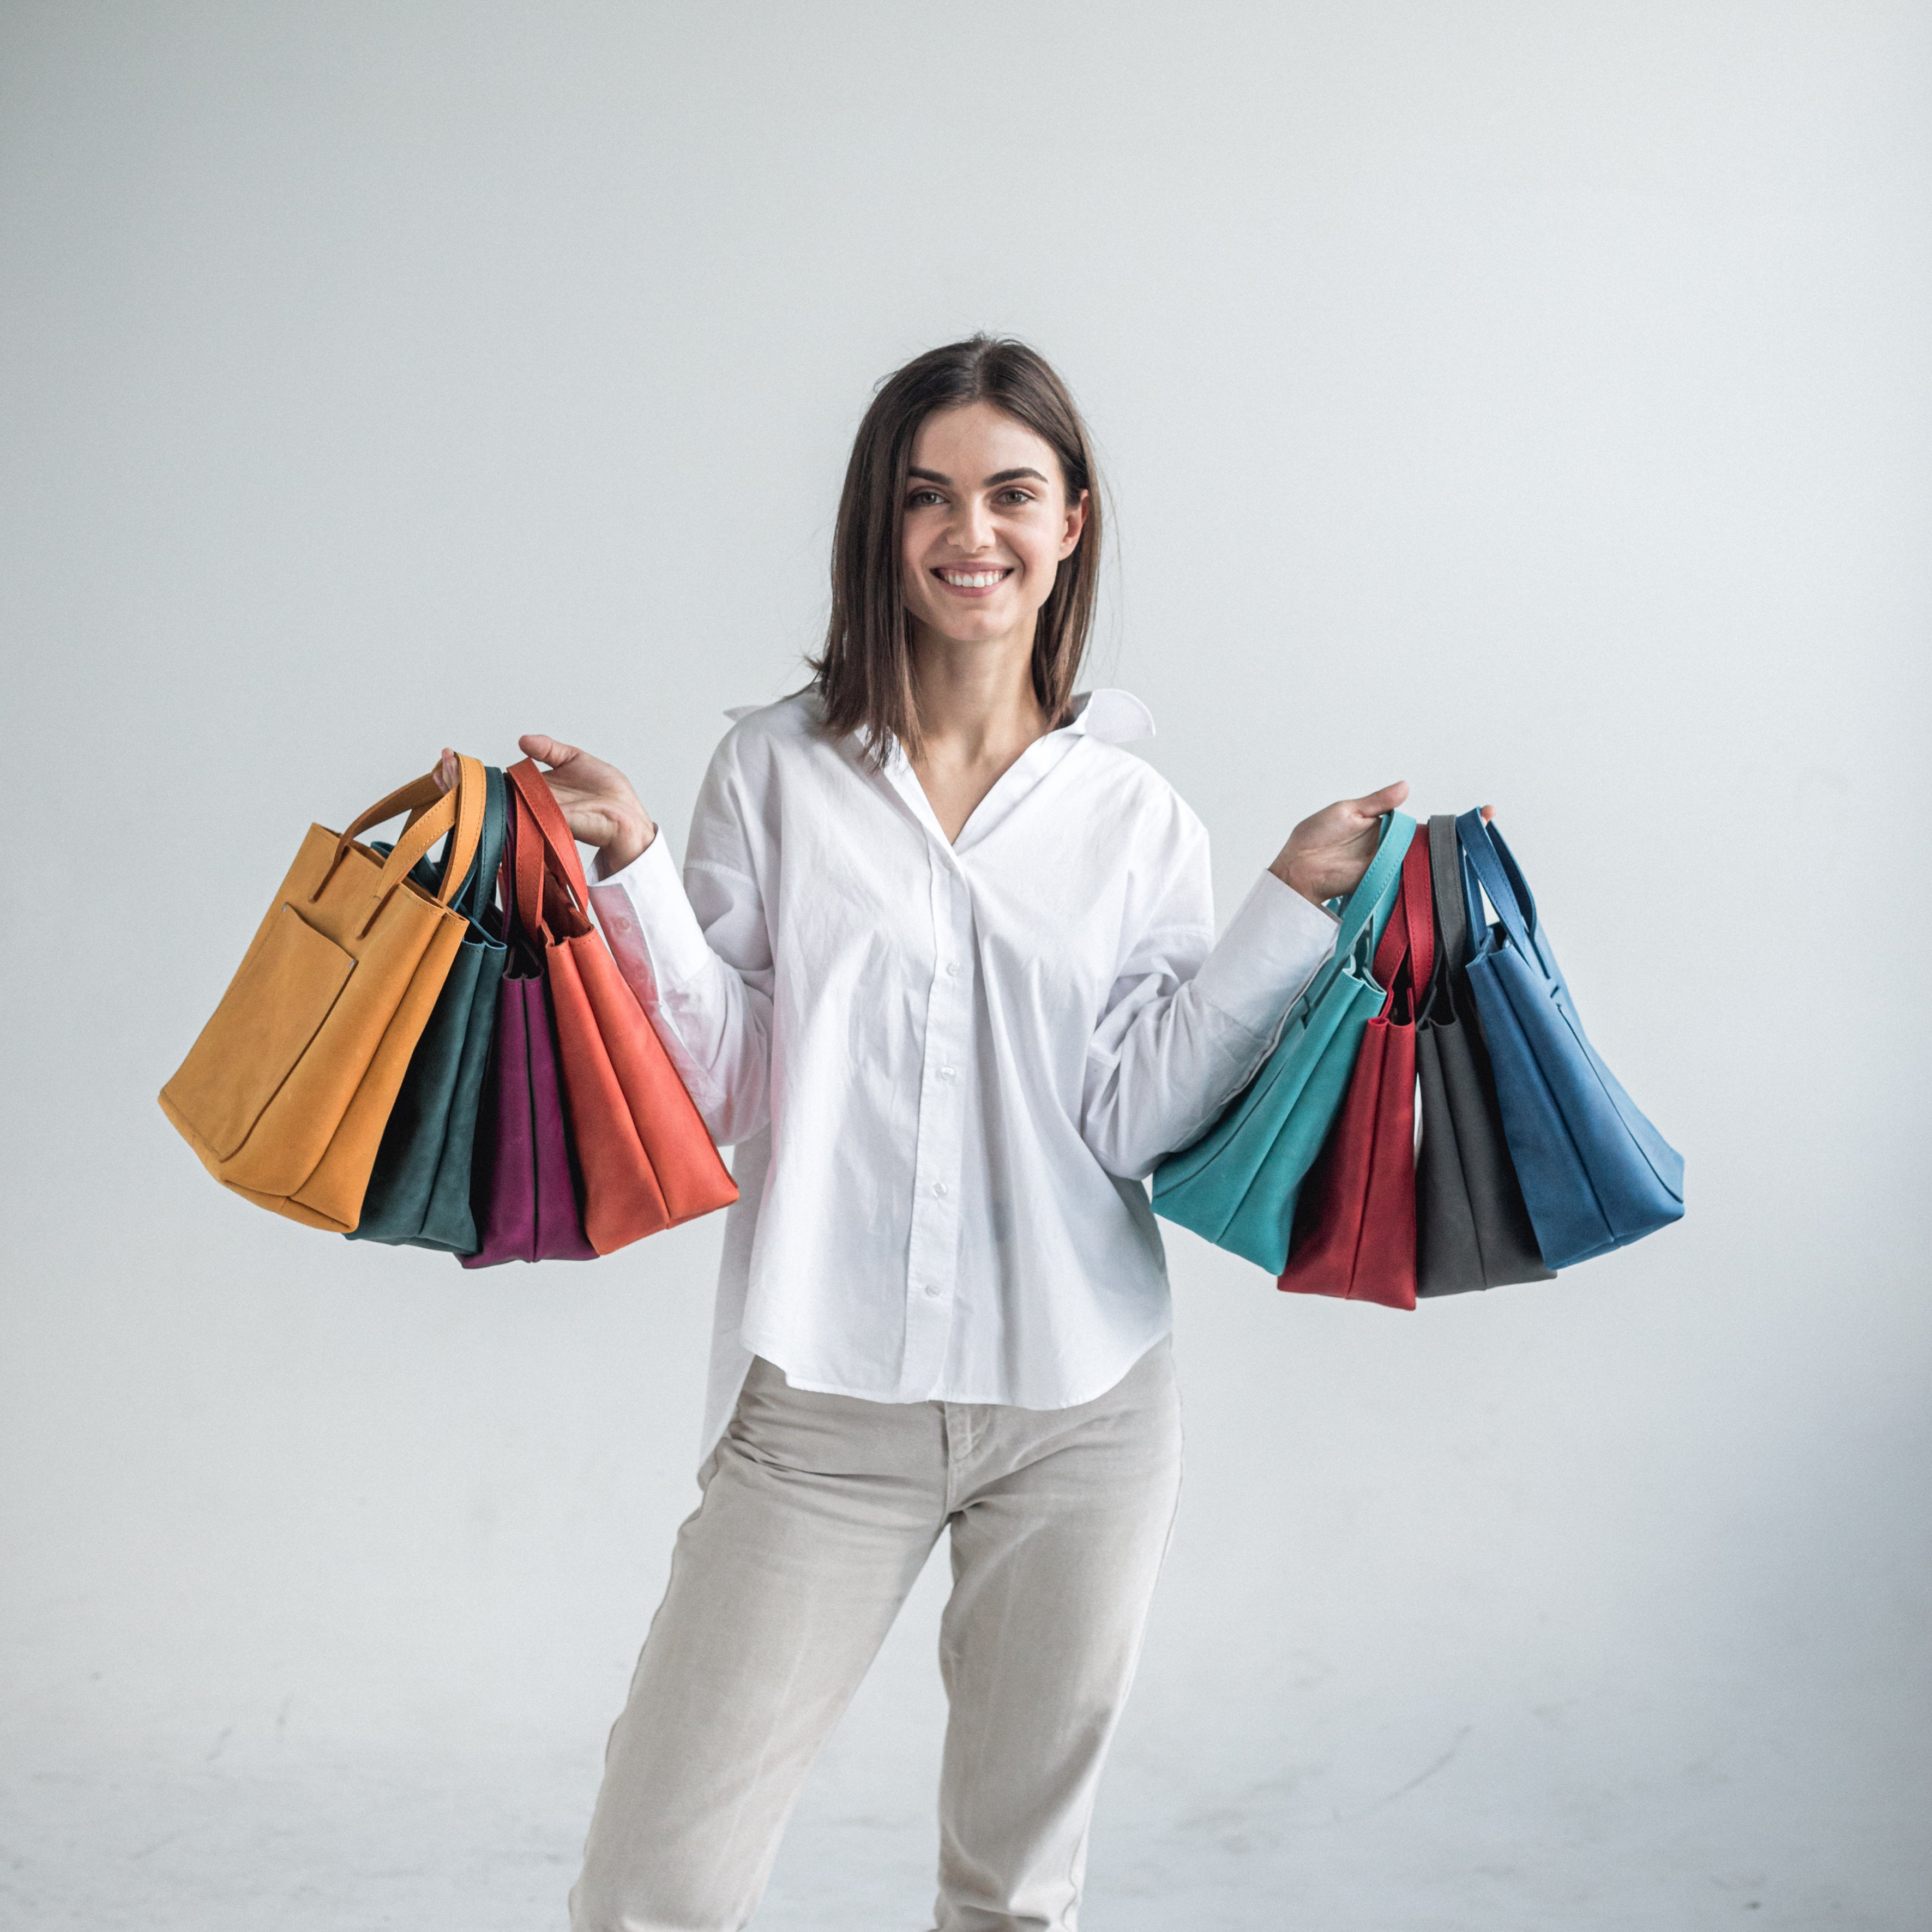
pixel 979 582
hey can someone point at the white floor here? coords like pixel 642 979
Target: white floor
pixel 1573 1819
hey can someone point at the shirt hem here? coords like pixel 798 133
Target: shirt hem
pixel 1114 1380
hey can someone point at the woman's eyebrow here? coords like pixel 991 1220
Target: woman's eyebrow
pixel 997 476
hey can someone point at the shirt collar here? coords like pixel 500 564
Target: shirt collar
pixel 1115 717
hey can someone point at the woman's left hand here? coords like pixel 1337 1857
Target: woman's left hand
pixel 1326 856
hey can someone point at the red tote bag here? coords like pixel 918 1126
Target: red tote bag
pixel 646 1159
pixel 1354 1228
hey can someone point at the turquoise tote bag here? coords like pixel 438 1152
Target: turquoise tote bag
pixel 1237 1186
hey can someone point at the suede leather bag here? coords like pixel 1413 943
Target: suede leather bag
pixel 418 1191
pixel 1354 1228
pixel 526 1194
pixel 285 1094
pixel 1238 1184
pixel 647 1161
pixel 1595 1174
pixel 1472 1230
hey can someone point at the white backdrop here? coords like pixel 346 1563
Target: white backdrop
pixel 1529 401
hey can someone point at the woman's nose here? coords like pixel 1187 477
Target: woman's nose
pixel 973 528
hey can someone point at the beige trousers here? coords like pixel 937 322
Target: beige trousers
pixel 817 1514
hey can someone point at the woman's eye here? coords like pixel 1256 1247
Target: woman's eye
pixel 919 498
pixel 1014 498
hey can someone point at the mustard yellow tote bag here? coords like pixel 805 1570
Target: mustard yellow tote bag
pixel 286 1094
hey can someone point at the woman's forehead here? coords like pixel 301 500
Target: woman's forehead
pixel 973 441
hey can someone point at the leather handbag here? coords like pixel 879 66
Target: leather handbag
pixel 418 1191
pixel 1472 1230
pixel 1354 1230
pixel 648 1162
pixel 1237 1185
pixel 1595 1174
pixel 285 1095
pixel 525 1190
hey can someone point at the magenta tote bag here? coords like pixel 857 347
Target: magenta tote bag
pixel 525 1192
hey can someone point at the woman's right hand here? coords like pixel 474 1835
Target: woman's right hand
pixel 597 801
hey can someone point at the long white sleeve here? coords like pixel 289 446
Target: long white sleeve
pixel 1187 1024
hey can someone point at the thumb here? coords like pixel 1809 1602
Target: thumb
pixel 1387 800
pixel 551 752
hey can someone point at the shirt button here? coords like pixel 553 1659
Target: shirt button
pixel 939 1188
pixel 949 1073
pixel 933 1290
pixel 952 969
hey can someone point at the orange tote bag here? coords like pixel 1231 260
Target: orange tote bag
pixel 646 1159
pixel 285 1095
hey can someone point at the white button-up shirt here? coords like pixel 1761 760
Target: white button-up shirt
pixel 946 1067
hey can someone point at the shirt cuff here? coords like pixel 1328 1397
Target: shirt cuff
pixel 1272 948
pixel 644 906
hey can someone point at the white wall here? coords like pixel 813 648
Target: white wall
pixel 1529 400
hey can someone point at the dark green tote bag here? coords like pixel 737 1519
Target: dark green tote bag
pixel 418 1194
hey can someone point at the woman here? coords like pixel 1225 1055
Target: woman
pixel 941 966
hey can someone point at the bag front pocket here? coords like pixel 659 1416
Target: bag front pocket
pixel 275 1007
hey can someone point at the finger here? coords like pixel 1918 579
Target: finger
pixel 1489 812
pixel 447 771
pixel 551 752
pixel 1377 802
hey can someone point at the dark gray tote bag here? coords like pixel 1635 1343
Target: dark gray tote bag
pixel 1472 1230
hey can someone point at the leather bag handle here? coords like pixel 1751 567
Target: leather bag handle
pixel 474 896
pixel 1445 868
pixel 543 872
pixel 1397 831
pixel 528 867
pixel 1501 878
pixel 552 825
pixel 507 867
pixel 1409 937
pixel 466 805
pixel 432 815
pixel 1417 874
pixel 553 850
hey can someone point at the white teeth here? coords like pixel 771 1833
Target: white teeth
pixel 972 580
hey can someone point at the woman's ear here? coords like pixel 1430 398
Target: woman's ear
pixel 1076 522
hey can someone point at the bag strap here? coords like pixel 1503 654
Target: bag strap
pixel 1452 913
pixel 549 875
pixel 473 900
pixel 1362 904
pixel 553 848
pixel 1501 878
pixel 1409 938
pixel 433 813
pixel 1415 893
pixel 475 894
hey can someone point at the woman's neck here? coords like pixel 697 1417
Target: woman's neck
pixel 975 699
pixel 977 712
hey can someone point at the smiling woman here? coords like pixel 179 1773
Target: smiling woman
pixel 941 968
pixel 971 484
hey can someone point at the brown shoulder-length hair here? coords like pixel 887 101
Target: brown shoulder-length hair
pixel 864 677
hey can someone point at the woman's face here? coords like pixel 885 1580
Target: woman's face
pixel 987 525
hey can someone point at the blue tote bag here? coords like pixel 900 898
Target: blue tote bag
pixel 1237 1186
pixel 1595 1174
